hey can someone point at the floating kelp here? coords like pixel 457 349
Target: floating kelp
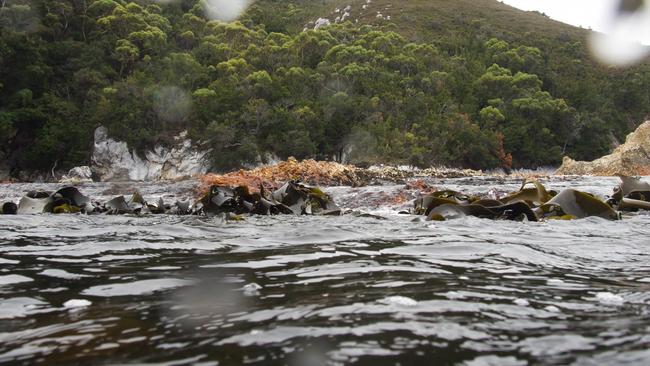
pixel 118 205
pixel 533 196
pixel 65 200
pixel 632 195
pixel 73 197
pixel 534 202
pixel 576 204
pixel 517 211
pixel 630 185
pixel 292 198
pixel 629 204
pixel 8 208
pixel 30 205
pixel 303 199
pixel 230 202
pixel 65 208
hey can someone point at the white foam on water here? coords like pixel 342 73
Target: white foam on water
pixel 552 309
pixel 76 303
pixel 521 302
pixel 399 301
pixel 608 298
pixel 251 289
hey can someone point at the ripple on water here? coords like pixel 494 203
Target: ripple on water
pixel 142 287
pixel 18 307
pixel 341 290
pixel 59 273
pixel 12 279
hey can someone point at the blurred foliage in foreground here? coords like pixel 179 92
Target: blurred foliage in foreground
pixel 462 92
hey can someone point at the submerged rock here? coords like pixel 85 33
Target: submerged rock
pixel 630 159
pixel 113 160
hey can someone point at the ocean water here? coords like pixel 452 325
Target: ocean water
pixel 299 290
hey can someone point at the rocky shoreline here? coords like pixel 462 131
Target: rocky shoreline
pixel 531 202
pixel 324 173
pixel 113 161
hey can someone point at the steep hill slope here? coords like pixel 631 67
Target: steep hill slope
pixel 472 83
pixel 423 20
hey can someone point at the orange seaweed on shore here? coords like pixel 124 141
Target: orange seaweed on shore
pixel 323 173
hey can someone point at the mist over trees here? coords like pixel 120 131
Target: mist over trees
pixel 149 70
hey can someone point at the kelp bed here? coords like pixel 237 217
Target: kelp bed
pixel 291 198
pixel 532 202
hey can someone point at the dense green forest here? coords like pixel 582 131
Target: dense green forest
pixel 461 83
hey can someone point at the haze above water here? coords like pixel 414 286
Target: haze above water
pixel 172 290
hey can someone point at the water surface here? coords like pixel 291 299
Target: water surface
pixel 170 290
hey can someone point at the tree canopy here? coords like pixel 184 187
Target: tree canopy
pixel 255 87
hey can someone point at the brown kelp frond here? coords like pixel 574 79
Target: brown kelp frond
pixel 535 203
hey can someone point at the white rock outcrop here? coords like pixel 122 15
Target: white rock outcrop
pixel 322 22
pixel 113 160
pixel 80 174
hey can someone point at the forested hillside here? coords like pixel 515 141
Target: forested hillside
pixel 469 83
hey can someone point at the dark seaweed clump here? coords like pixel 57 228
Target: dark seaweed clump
pixel 291 198
pixel 533 202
